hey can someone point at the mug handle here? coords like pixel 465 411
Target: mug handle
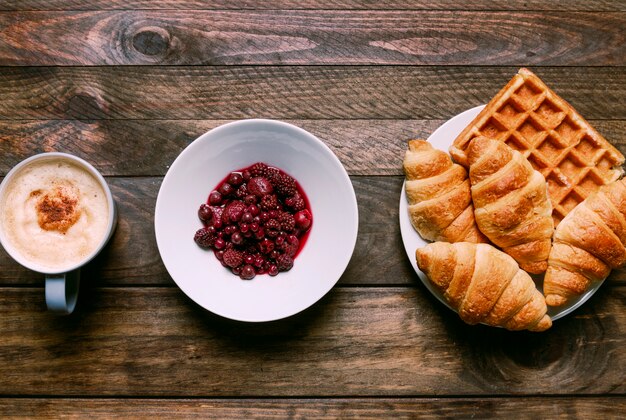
pixel 62 291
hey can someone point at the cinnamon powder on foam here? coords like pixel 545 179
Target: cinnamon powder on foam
pixel 58 209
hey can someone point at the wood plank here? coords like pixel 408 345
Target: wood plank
pixel 312 37
pixel 355 342
pixel 365 147
pixel 589 5
pixel 397 408
pixel 286 92
pixel 132 257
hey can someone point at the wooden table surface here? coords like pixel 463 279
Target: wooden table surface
pixel 128 84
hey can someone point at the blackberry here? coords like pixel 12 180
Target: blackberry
pixel 272 173
pixel 269 202
pixel 258 169
pixel 287 222
pixel 242 191
pixel 296 202
pixel 272 228
pixel 284 184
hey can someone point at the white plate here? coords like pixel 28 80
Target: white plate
pixel 207 161
pixel 442 139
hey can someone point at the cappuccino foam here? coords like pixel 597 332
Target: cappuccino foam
pixel 54 213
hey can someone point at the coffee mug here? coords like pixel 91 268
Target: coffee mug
pixel 56 214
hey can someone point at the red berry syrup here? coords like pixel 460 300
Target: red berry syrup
pixel 256 220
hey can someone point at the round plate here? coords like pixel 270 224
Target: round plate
pixel 205 163
pixel 442 139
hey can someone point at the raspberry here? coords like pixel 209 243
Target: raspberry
pixel 284 184
pixel 284 262
pixel 287 222
pixel 233 258
pixel 296 202
pixel 205 237
pixel 260 186
pixel 269 202
pixel 233 212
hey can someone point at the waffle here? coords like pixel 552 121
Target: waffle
pixel 528 116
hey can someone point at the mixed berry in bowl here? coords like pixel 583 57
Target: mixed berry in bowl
pixel 256 221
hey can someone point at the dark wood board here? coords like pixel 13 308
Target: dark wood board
pixel 364 147
pixel 287 92
pixel 444 38
pixel 588 5
pixel 398 408
pixel 354 342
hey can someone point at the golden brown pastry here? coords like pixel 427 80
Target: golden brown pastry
pixel 484 285
pixel 588 243
pixel 438 193
pixel 511 203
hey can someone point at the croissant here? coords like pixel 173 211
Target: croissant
pixel 511 203
pixel 484 285
pixel 588 243
pixel 438 193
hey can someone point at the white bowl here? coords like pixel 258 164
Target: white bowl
pixel 206 162
pixel 442 139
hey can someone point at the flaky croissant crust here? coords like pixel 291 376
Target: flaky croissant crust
pixel 511 204
pixel 438 194
pixel 588 243
pixel 484 285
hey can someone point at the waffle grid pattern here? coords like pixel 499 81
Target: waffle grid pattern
pixel 573 157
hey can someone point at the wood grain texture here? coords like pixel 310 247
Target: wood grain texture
pixel 132 257
pixel 287 92
pixel 398 408
pixel 588 5
pixel 354 342
pixel 312 37
pixel 364 147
